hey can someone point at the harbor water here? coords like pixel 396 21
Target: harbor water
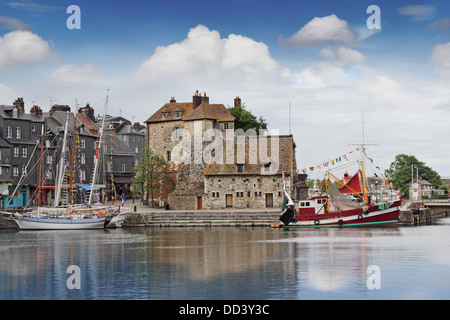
pixel 221 263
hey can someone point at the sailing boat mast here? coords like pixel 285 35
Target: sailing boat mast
pixel 94 177
pixel 362 152
pixel 41 166
pixel 62 165
pixel 71 159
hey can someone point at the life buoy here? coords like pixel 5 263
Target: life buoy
pixel 317 222
pixel 366 212
pixel 341 222
pixel 100 214
pixel 360 217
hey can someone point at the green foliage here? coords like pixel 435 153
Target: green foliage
pixel 399 173
pixel 150 171
pixel 246 120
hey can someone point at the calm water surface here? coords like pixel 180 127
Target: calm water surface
pixel 228 263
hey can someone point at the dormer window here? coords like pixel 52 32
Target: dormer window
pixel 164 115
pixel 178 114
pixel 15 113
pixel 239 168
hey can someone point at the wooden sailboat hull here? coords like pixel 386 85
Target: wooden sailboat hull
pixel 31 223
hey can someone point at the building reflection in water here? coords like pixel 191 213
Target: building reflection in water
pixel 192 263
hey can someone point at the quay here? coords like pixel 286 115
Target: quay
pixel 424 212
pixel 154 217
pixel 145 216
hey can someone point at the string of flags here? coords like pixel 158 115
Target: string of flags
pixel 327 163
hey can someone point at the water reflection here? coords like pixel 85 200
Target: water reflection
pixel 226 263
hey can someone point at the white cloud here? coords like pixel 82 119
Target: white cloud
pixel 33 7
pixel 440 24
pixel 420 12
pixel 325 75
pixel 329 29
pixel 18 48
pixel 68 74
pixel 204 54
pixel 440 60
pixel 13 24
pixel 343 55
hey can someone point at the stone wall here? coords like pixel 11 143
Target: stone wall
pixel 243 191
pixel 190 186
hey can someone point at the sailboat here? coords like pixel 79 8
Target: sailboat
pixel 71 217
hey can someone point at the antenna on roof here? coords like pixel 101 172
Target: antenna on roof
pixel 289 118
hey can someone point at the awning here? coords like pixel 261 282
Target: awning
pixel 87 187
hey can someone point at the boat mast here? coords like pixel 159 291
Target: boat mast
pixel 71 159
pixel 41 166
pixel 62 166
pixel 362 153
pixel 94 177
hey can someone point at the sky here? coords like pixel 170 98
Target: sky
pixel 343 80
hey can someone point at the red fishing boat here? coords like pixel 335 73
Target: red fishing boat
pixel 335 209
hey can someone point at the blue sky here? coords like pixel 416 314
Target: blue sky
pixel 317 56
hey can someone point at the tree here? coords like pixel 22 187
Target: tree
pixel 246 120
pixel 150 171
pixel 399 173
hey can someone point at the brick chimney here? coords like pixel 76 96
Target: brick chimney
pixel 196 100
pixel 237 102
pixel 36 111
pixel 137 126
pixel 59 107
pixel 88 112
pixel 172 100
pixel 20 104
pixel 205 99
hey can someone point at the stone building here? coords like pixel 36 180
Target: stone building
pixel 419 188
pixel 176 132
pixel 244 183
pixel 194 137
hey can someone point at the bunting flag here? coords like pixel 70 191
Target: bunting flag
pixel 333 162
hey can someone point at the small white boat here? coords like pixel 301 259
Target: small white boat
pixel 32 223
